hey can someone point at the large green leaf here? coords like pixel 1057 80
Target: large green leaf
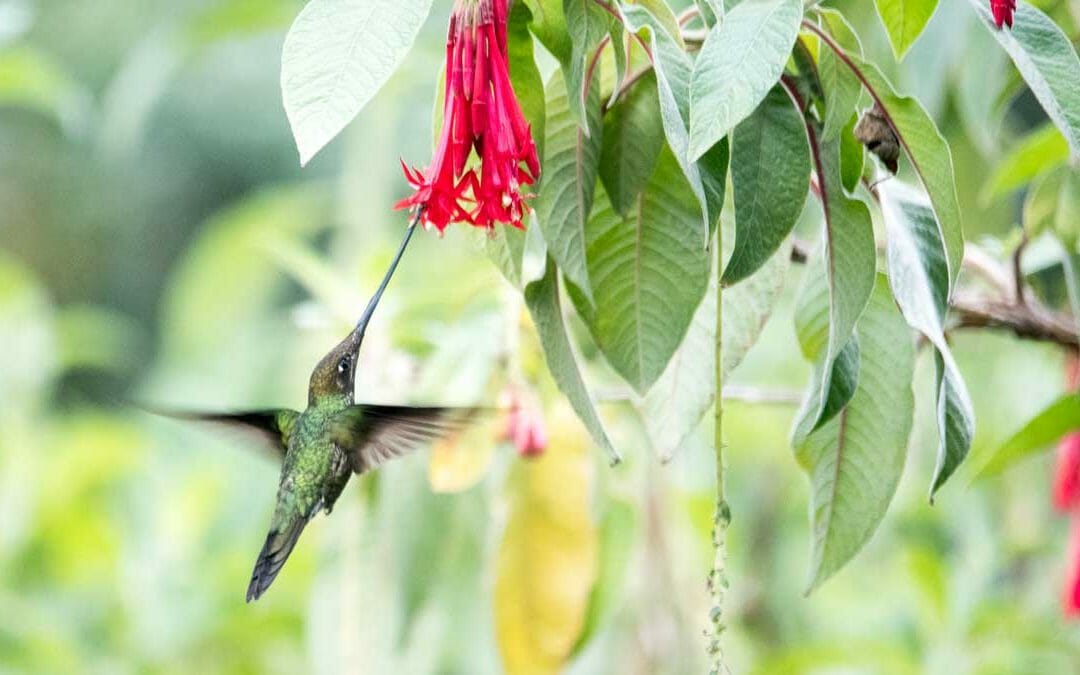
pixel 542 298
pixel 549 26
pixel 849 259
pixel 855 461
pixel 633 138
pixel 740 61
pixel 1056 420
pixel 686 391
pixel 929 154
pixel 770 173
pixel 904 21
pixel 337 56
pixel 588 25
pixel 648 272
pixel 1047 61
pixel 565 199
pixel 919 277
pixel 674 68
pixel 1040 151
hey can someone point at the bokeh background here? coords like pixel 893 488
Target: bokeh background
pixel 159 242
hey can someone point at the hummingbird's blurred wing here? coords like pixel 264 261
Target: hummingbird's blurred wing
pixel 271 427
pixel 375 434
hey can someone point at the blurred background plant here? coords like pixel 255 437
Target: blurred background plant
pixel 159 241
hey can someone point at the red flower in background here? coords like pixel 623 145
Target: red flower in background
pixel 525 423
pixel 1003 12
pixel 480 113
pixel 1067 496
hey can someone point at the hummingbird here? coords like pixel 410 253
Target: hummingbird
pixel 335 437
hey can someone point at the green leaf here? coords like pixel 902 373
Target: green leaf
pixel 549 27
pixel 337 55
pixel 1037 153
pixel 1047 61
pixel 542 298
pixel 674 69
pixel 633 138
pixel 929 154
pixel 740 61
pixel 855 461
pixel 1041 202
pixel 852 156
pixel 33 80
pixel 904 21
pixel 648 272
pixel 506 248
pixel 686 391
pixel 770 174
pixel 849 260
pixel 1043 430
pixel 841 87
pixel 919 277
pixel 524 75
pixel 566 189
pixel 588 25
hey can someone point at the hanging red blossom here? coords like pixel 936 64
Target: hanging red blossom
pixel 1067 496
pixel 480 113
pixel 1003 12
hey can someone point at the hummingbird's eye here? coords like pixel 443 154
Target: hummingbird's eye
pixel 343 365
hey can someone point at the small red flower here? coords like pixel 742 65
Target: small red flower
pixel 481 113
pixel 525 423
pixel 1003 12
pixel 1067 474
pixel 1067 495
pixel 1071 593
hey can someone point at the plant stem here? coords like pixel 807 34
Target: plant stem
pixel 718 580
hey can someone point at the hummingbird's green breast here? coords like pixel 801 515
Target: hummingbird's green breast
pixel 314 470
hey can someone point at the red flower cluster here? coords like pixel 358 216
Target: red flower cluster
pixel 525 423
pixel 1003 12
pixel 1067 497
pixel 480 112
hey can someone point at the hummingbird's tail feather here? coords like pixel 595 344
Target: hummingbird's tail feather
pixel 279 544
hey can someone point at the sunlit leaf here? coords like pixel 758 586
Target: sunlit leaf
pixel 547 559
pixel 1039 152
pixel 337 55
pixel 1039 433
pixel 904 21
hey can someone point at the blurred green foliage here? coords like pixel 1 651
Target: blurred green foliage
pixel 158 241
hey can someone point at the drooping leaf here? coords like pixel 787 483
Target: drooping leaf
pixel 588 25
pixel 674 68
pixel 1042 431
pixel 855 461
pixel 542 298
pixel 841 87
pixel 549 27
pixel 633 138
pixel 648 272
pixel 566 188
pixel 685 392
pixel 740 61
pixel 929 154
pixel 904 21
pixel 337 55
pixel 1040 151
pixel 919 278
pixel 547 559
pixel 770 175
pixel 849 259
pixel 1047 61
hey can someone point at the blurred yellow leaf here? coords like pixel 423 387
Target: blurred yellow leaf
pixel 460 461
pixel 547 561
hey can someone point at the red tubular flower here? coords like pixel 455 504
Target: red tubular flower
pixel 1071 596
pixel 481 113
pixel 1067 474
pixel 1003 12
pixel 1067 496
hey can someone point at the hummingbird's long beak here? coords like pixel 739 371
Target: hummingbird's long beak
pixel 361 325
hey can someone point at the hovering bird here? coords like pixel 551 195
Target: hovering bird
pixel 323 446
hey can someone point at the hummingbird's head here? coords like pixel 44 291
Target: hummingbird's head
pixel 336 373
